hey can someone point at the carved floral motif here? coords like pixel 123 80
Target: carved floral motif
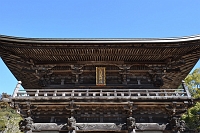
pixel 100 126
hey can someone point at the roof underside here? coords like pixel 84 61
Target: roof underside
pixel 34 54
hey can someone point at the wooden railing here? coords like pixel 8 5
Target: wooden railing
pixel 146 93
pixel 103 92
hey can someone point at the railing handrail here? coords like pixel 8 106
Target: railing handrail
pixel 104 92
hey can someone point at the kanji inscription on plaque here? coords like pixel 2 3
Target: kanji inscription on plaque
pixel 100 76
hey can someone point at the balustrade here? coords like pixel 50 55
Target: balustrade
pixel 103 93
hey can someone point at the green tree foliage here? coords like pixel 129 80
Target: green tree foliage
pixel 192 117
pixel 9 118
pixel 193 82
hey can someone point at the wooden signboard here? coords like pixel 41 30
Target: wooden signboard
pixel 100 76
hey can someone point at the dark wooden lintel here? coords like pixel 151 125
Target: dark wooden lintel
pixel 85 63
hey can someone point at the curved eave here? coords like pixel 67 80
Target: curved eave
pixel 97 40
pixel 18 53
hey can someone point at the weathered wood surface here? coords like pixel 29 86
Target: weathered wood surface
pixel 72 62
pixel 59 76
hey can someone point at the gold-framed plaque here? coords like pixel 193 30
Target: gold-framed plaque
pixel 100 76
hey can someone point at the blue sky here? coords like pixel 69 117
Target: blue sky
pixel 95 19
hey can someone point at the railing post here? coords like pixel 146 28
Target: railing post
pixel 45 94
pixel 63 94
pixel 72 93
pixel 115 93
pixel 147 92
pixel 186 88
pixel 87 93
pixel 101 93
pixel 157 94
pixel 165 92
pixel 17 88
pixel 55 93
pixel 37 93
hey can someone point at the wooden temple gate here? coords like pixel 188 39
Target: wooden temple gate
pixel 101 85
